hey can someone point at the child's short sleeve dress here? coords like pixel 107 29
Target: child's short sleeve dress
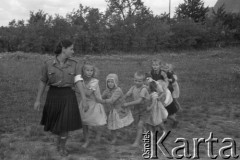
pixel 118 117
pixel 158 112
pixel 95 115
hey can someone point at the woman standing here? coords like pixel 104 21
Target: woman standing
pixel 60 112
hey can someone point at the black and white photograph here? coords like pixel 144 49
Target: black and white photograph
pixel 119 79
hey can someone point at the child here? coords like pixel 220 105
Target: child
pixel 141 96
pixel 168 103
pixel 156 70
pixel 94 114
pixel 173 86
pixel 158 111
pixel 118 117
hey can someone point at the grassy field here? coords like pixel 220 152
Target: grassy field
pixel 210 89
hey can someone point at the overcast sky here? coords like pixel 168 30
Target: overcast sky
pixel 20 9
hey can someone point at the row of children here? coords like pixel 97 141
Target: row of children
pixel 154 100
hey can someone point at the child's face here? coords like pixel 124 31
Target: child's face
pixel 138 80
pixel 148 80
pixel 155 66
pixel 88 71
pixel 110 83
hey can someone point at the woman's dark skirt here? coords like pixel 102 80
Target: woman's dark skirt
pixel 171 108
pixel 61 112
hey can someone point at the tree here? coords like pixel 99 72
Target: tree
pixel 123 17
pixel 124 8
pixel 193 9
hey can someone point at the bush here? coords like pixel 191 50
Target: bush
pixel 187 34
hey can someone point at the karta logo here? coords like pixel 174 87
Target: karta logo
pixel 152 145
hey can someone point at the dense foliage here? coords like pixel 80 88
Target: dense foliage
pixel 126 25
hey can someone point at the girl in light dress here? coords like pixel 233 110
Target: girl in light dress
pixel 158 111
pixel 94 114
pixel 173 83
pixel 113 97
pixel 168 101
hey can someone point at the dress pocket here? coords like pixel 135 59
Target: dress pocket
pixel 70 76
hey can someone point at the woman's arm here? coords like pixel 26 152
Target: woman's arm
pixel 41 89
pixel 79 85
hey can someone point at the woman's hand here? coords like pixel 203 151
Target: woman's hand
pixel 37 105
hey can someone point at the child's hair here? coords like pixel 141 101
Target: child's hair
pixel 95 70
pixel 148 75
pixel 167 67
pixel 153 86
pixel 158 61
pixel 140 74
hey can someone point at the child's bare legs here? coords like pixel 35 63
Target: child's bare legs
pixel 173 118
pixel 177 104
pixel 86 136
pixel 114 135
pixel 139 133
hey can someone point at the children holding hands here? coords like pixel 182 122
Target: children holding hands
pixel 94 114
pixel 152 103
pixel 164 75
pixel 140 96
pixel 158 111
pixel 112 96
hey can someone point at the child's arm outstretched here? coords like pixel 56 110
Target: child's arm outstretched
pixel 143 95
pixel 129 93
pixel 135 102
pixel 104 96
pixel 115 96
